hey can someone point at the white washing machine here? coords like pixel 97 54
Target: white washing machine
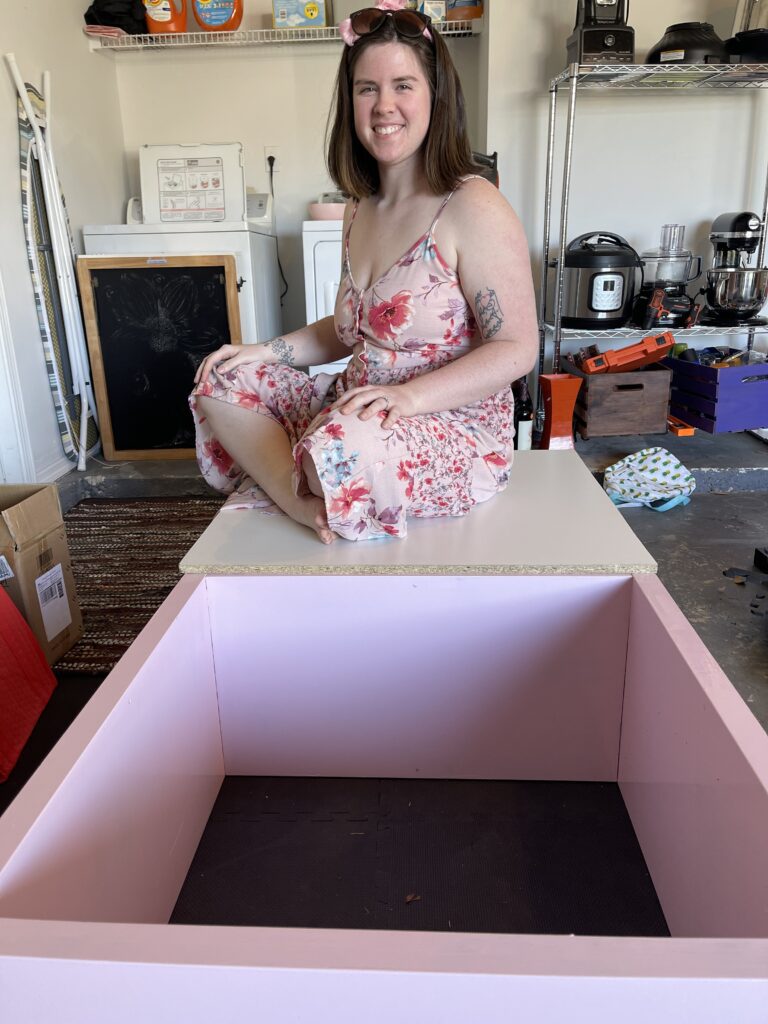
pixel 322 272
pixel 254 247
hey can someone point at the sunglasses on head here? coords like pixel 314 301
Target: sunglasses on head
pixel 408 24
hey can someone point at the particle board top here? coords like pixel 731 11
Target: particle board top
pixel 553 519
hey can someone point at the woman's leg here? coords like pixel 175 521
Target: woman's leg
pixel 262 449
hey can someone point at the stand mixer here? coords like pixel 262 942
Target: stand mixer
pixel 735 292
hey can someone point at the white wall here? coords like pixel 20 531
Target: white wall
pixel 89 153
pixel 15 450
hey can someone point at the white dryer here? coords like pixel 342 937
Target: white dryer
pixel 254 247
pixel 322 272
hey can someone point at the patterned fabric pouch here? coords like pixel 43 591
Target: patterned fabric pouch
pixel 652 477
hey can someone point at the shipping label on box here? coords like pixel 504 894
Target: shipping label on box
pixel 302 13
pixel 52 598
pixel 35 566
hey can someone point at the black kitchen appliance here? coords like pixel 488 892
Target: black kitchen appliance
pixel 689 42
pixel 750 32
pixel 601 34
pixel 599 281
pixel 735 292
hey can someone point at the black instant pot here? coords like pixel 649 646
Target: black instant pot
pixel 599 281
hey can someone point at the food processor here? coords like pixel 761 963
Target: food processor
pixel 667 270
pixel 735 292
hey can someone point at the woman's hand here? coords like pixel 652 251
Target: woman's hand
pixel 230 356
pixel 372 400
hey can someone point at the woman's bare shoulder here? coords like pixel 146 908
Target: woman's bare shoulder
pixel 478 211
pixel 478 195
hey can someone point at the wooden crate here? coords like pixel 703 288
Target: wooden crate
pixel 719 400
pixel 635 402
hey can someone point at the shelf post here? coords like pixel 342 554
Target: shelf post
pixel 573 79
pixel 545 250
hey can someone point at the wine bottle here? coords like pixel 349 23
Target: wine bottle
pixel 523 415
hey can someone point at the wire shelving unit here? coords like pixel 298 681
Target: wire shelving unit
pixel 250 37
pixel 633 77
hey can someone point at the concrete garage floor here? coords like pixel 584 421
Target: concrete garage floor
pixel 720 529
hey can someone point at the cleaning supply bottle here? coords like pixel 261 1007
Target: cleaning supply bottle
pixel 217 15
pixel 166 16
pixel 463 10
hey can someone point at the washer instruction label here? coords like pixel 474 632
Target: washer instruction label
pixel 191 189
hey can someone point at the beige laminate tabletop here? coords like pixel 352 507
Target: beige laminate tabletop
pixel 553 518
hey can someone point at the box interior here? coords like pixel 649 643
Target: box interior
pixel 544 679
pixel 491 857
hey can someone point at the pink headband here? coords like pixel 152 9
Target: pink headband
pixel 350 37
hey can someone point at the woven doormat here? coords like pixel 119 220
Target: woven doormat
pixel 125 559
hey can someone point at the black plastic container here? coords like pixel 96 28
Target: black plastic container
pixel 689 42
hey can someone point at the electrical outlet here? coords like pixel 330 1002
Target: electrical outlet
pixel 275 152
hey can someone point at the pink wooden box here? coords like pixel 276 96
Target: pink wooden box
pixel 616 686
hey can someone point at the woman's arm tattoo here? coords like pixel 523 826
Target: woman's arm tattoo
pixel 489 313
pixel 282 350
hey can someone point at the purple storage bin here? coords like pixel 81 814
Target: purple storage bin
pixel 719 400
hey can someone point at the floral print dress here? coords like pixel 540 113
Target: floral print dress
pixel 413 319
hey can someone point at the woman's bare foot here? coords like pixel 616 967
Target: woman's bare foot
pixel 310 511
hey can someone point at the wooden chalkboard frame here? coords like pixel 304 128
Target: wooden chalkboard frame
pixel 86 266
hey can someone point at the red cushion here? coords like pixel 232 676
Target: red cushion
pixel 26 683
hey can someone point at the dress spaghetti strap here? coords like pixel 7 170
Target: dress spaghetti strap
pixel 445 202
pixel 356 203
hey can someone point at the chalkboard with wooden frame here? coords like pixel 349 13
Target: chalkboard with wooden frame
pixel 149 321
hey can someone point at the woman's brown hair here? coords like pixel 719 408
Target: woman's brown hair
pixel 447 152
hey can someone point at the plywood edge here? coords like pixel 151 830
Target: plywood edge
pixel 193 568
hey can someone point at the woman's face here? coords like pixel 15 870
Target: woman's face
pixel 392 103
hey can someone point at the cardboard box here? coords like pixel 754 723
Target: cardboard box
pixel 302 13
pixel 343 8
pixel 35 567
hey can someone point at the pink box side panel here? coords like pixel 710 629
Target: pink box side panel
pixel 432 676
pixel 694 776
pixel 447 978
pixel 115 839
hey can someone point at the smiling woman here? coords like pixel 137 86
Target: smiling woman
pixel 439 325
